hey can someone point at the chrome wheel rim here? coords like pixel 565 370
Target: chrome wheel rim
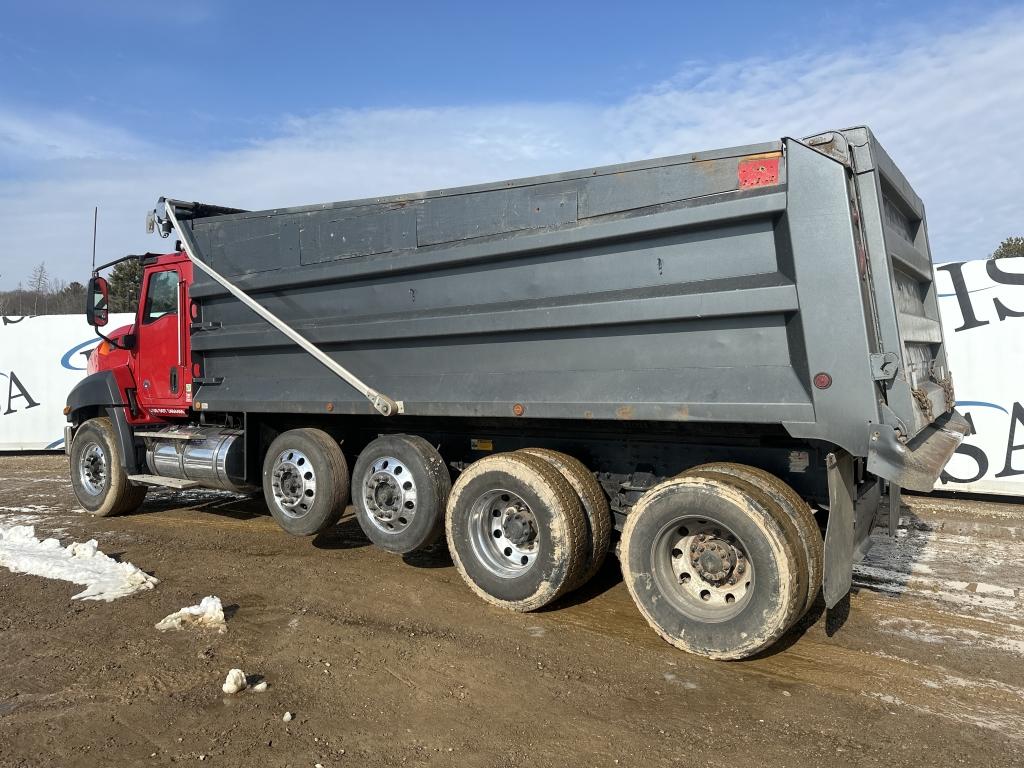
pixel 389 491
pixel 92 469
pixel 293 481
pixel 703 568
pixel 504 533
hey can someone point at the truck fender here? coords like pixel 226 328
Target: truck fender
pixel 99 392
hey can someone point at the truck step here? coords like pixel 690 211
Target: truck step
pixel 164 482
pixel 171 434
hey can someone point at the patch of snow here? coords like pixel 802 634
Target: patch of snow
pixel 80 563
pixel 234 682
pixel 208 614
pixel 1005 636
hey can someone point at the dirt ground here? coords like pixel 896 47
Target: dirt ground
pixel 385 662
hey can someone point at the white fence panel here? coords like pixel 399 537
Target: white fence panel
pixel 982 306
pixel 40 362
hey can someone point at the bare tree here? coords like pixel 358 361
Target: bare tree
pixel 39 284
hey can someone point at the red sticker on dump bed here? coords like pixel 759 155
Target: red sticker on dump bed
pixel 758 172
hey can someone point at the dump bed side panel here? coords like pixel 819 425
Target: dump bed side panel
pixel 707 287
pixel 651 291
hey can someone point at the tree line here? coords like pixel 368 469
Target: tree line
pixel 45 295
pixel 48 296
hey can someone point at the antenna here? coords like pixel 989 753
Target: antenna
pixel 95 216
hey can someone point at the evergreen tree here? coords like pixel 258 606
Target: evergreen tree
pixel 1011 246
pixel 125 286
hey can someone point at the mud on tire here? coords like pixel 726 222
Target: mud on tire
pixel 516 531
pixel 97 475
pixel 694 602
pixel 808 533
pixel 595 507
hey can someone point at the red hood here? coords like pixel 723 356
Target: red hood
pixel 105 356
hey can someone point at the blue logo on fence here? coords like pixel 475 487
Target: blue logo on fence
pixel 66 360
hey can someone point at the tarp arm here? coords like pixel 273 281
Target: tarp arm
pixel 384 404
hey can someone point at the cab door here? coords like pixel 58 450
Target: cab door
pixel 161 343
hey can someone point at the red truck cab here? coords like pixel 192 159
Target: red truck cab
pixel 150 360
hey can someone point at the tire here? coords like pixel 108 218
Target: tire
pixel 687 601
pixel 542 546
pixel 305 481
pixel 97 472
pixel 400 487
pixel 595 508
pixel 808 533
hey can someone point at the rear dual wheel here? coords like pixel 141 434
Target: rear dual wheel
pixel 804 532
pixel 517 531
pixel 597 513
pixel 710 561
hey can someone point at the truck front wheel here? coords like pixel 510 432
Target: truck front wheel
pixel 97 473
pixel 305 481
pixel 710 567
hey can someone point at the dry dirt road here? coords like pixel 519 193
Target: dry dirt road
pixel 385 662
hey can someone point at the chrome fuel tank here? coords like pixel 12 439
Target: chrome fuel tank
pixel 214 457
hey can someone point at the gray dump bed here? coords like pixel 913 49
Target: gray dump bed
pixel 706 287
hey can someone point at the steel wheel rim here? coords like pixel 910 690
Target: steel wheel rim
pixel 389 491
pixel 92 469
pixel 293 481
pixel 504 533
pixel 703 568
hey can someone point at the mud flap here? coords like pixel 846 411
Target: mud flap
pixel 850 520
pixel 894 508
pixel 917 464
pixel 839 535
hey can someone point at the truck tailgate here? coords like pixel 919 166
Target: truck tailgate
pixel 896 261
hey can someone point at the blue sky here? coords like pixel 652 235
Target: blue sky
pixel 253 104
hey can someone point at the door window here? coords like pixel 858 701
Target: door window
pixel 161 296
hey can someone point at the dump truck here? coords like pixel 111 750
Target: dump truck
pixel 709 364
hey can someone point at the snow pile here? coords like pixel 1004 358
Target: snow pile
pixel 208 614
pixel 79 563
pixel 235 681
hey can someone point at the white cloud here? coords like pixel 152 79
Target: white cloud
pixel 946 106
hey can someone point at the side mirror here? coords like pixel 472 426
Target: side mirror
pixel 97 302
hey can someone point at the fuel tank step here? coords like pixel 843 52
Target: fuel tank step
pixel 165 482
pixel 172 434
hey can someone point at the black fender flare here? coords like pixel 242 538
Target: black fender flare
pixel 99 391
